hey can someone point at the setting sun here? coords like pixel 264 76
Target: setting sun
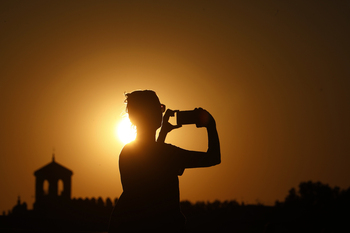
pixel 125 131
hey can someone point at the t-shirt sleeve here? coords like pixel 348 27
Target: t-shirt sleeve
pixel 182 158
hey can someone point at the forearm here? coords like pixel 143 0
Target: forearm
pixel 162 136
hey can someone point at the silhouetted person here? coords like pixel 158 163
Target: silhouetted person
pixel 149 169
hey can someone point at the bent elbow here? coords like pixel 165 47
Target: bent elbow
pixel 217 160
pixel 215 157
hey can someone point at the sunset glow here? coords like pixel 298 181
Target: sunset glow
pixel 125 131
pixel 273 74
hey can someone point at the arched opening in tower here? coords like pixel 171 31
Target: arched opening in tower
pixel 60 188
pixel 46 187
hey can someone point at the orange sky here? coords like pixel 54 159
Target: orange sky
pixel 274 75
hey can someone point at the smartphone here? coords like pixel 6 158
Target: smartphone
pixel 186 117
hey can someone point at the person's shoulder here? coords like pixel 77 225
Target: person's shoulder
pixel 128 148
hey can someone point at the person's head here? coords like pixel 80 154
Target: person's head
pixel 144 109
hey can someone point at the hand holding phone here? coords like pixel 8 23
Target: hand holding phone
pixel 198 116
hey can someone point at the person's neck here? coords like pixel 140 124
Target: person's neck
pixel 146 136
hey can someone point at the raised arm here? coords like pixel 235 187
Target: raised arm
pixel 213 155
pixel 166 126
pixel 196 159
pixel 213 143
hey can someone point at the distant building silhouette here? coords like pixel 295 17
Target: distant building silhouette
pixel 323 208
pixel 54 208
pixel 20 208
pixel 52 173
